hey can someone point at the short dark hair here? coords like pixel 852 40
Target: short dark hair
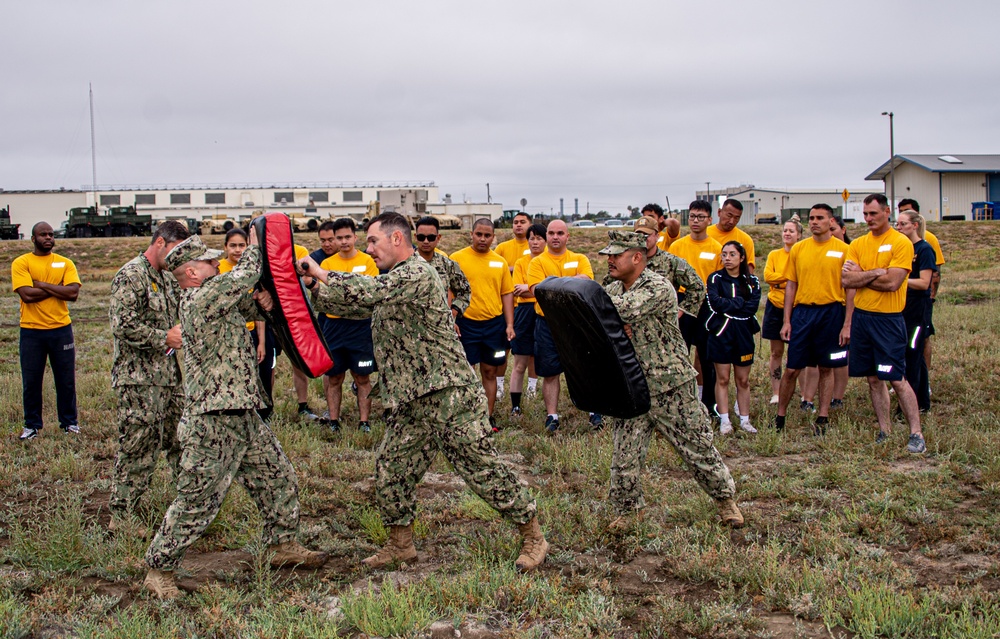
pixel 325 226
pixel 171 231
pixel 235 231
pixel 428 220
pixel 344 223
pixel 911 202
pixel 736 204
pixel 536 229
pixel 656 209
pixel 483 221
pixel 393 222
pixel 823 207
pixel 521 213
pixel 700 205
pixel 882 200
pixel 840 222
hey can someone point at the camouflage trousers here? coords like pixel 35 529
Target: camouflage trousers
pixel 147 424
pixel 683 420
pixel 454 421
pixel 216 450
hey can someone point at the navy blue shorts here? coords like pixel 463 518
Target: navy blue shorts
pixel 524 330
pixel 350 343
pixel 815 339
pixel 735 346
pixel 547 361
pixel 484 341
pixel 774 319
pixel 878 345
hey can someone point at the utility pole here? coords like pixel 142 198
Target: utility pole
pixel 489 200
pixel 892 164
pixel 93 146
pixel 708 192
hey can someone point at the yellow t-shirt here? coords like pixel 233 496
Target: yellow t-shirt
pixel 569 264
pixel 704 256
pixel 512 250
pixel 665 239
pixel 892 249
pixel 52 269
pixel 816 268
pixel 301 252
pixel 774 275
pixel 521 277
pixel 933 241
pixel 489 278
pixel 360 264
pixel 224 267
pixel 736 234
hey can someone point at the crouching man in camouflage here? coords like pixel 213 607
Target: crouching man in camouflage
pixel 434 398
pixel 647 304
pixel 145 374
pixel 221 435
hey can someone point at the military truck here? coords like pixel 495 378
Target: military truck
pixel 8 231
pixel 218 224
pixel 118 221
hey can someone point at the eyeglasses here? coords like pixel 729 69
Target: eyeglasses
pixel 426 238
pixel 699 217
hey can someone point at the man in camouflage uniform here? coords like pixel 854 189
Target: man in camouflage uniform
pixel 455 282
pixel 221 435
pixel 145 374
pixel 647 305
pixel 434 399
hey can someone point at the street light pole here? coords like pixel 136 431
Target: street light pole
pixel 892 163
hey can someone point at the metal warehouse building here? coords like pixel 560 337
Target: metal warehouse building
pixel 944 185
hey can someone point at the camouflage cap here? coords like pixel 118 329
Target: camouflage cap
pixel 622 241
pixel 190 249
pixel 646 224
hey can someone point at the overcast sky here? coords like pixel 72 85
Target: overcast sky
pixel 614 103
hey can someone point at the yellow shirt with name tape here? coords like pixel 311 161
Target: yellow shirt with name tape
pixel 738 235
pixel 360 264
pixel 704 256
pixel 489 277
pixel 569 264
pixel 52 269
pixel 815 267
pixel 892 249
pixel 512 250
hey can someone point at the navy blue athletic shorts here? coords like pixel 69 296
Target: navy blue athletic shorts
pixel 524 330
pixel 547 361
pixel 350 343
pixel 815 339
pixel 484 341
pixel 735 346
pixel 774 319
pixel 878 345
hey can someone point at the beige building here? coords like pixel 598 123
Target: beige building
pixel 944 185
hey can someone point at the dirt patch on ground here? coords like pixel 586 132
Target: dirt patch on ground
pixel 782 626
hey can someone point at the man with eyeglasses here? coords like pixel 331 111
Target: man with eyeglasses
pixel 427 236
pixel 877 266
pixel 726 231
pixel 704 255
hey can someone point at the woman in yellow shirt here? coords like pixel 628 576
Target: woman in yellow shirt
pixel 774 318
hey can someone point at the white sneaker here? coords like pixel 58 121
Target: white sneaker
pixel 748 427
pixel 499 390
pixel 774 399
pixel 725 428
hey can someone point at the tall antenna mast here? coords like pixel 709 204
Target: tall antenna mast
pixel 93 147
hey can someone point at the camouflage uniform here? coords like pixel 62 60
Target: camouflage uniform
pixel 680 274
pixel 145 377
pixel 454 281
pixel 650 308
pixel 221 434
pixel 434 398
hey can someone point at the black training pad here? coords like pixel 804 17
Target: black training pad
pixel 600 364
pixel 292 318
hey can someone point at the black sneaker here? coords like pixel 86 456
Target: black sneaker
pixel 807 406
pixel 72 429
pixel 365 427
pixel 333 425
pixel 28 433
pixel 596 421
pixel 354 388
pixel 882 437
pixel 836 403
pixel 551 424
pixel 515 412
pixel 307 413
pixel 916 444
pixel 493 424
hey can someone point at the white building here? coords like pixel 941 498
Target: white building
pixel 766 204
pixel 944 185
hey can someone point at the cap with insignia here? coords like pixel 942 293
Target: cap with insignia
pixel 646 224
pixel 190 249
pixel 621 241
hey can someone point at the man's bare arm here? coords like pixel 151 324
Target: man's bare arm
pixel 890 281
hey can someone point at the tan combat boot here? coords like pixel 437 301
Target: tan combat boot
pixel 292 553
pixel 626 522
pixel 162 584
pixel 534 548
pixel 398 548
pixel 730 513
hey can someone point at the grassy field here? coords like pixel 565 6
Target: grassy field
pixel 843 538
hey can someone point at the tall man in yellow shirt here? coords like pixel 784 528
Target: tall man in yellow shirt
pixel 817 313
pixel 726 230
pixel 349 340
pixel 704 255
pixel 487 326
pixel 45 281
pixel 877 266
pixel 556 261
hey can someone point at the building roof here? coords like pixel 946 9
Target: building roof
pixel 942 164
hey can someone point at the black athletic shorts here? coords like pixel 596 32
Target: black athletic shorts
pixel 815 339
pixel 878 345
pixel 484 341
pixel 774 319
pixel 524 330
